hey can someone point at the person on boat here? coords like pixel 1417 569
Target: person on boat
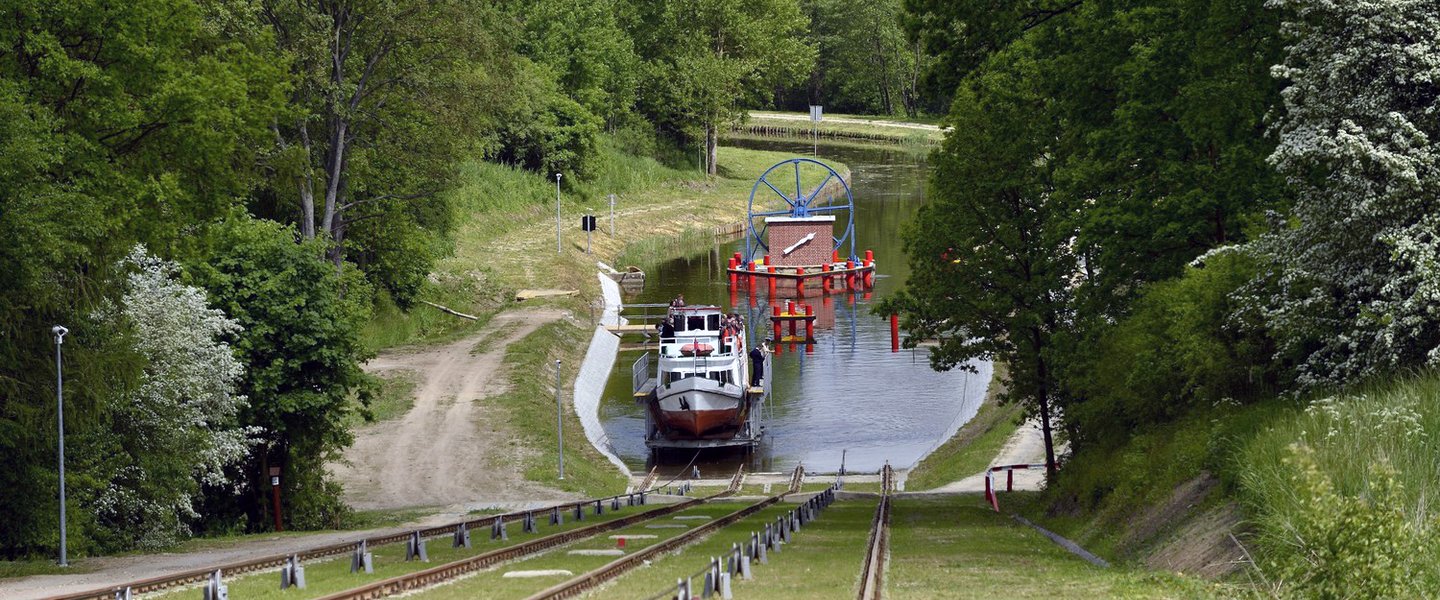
pixel 678 302
pixel 757 363
pixel 667 330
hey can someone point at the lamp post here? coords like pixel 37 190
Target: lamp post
pixel 559 424
pixel 60 332
pixel 557 213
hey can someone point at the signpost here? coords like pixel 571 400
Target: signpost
pixel 559 424
pixel 817 112
pixel 612 215
pixel 587 223
pixel 275 493
pixel 557 213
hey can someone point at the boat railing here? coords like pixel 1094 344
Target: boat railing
pixel 640 373
pixel 708 337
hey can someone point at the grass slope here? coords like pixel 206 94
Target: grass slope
pixel 956 547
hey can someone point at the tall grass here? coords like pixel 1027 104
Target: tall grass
pixel 1378 445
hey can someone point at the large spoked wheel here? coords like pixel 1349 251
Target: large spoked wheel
pixel 808 188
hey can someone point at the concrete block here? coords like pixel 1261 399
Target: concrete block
pixel 537 573
pixel 599 552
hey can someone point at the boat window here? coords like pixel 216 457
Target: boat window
pixel 696 322
pixel 712 322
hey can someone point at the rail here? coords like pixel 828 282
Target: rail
pixel 1009 480
pixel 451 570
pixel 759 545
pixel 617 567
pixel 193 576
pixel 872 572
pixel 640 373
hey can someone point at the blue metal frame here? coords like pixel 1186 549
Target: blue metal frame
pixel 802 204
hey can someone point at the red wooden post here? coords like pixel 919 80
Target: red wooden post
pixel 849 275
pixel 809 323
pixel 752 276
pixel 869 256
pixel 275 492
pixel 771 278
pixel 894 333
pixel 1010 480
pixel 800 282
pixel 835 256
pixel 731 269
pixel 825 278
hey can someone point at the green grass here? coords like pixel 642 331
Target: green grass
pixel 43 566
pixel 956 547
pixel 870 127
pixel 492 584
pixel 821 562
pixel 529 406
pixel 1359 439
pixel 330 576
pixel 974 446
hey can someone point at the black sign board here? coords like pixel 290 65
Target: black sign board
pixel 587 223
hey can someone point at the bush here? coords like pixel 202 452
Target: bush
pixel 1352 474
pixel 1343 546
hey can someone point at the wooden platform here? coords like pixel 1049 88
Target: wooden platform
pixel 810 271
pixel 631 329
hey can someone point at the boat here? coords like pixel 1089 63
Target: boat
pixel 700 388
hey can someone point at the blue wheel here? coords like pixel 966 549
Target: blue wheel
pixel 814 199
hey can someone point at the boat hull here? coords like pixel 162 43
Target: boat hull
pixel 699 410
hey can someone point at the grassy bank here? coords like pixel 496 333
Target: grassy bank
pixel 843 126
pixel 1327 496
pixel 974 446
pixel 957 544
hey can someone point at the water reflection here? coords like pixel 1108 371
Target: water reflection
pixel 849 392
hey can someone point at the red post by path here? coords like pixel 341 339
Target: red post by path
pixel 894 333
pixel 810 324
pixel 275 492
pixel 771 278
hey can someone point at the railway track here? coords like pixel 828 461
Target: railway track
pixel 872 573
pixel 194 576
pixel 593 579
pixel 446 572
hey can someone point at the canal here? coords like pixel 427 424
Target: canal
pixel 850 397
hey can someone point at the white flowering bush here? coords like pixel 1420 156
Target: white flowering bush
pixel 1354 288
pixel 178 426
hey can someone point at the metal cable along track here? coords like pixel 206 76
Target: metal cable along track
pixel 163 582
pixel 872 573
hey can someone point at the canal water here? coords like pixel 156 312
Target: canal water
pixel 849 399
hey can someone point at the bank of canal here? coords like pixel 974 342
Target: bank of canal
pixel 851 393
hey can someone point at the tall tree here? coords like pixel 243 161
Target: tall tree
pixel 379 102
pixel 990 254
pixel 299 341
pixel 705 58
pixel 1355 282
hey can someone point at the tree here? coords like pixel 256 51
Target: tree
pixel 119 122
pixel 301 350
pixel 706 57
pixel 380 109
pixel 1352 284
pixel 180 424
pixel 990 254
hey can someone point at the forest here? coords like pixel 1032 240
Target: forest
pixel 216 197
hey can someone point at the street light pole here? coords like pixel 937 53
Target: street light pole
pixel 559 423
pixel 60 332
pixel 557 213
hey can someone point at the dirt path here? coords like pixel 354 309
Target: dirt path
pixel 453 448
